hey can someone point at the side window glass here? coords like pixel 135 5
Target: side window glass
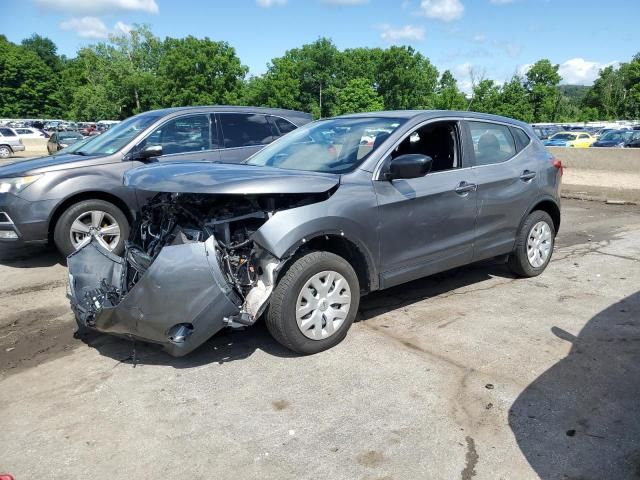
pixel 436 140
pixel 284 126
pixel 6 132
pixel 183 134
pixel 245 130
pixel 492 143
pixel 521 138
pixel 54 138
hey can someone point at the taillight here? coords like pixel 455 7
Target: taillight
pixel 558 164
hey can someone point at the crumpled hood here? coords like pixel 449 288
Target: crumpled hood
pixel 223 178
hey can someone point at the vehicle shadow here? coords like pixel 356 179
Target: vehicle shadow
pixel 226 346
pixel 36 256
pixel 581 418
pixel 230 345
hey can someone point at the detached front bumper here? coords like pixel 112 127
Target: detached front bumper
pixel 180 302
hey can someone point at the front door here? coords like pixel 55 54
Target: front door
pixel 427 224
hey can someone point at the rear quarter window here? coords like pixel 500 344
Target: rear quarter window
pixel 521 138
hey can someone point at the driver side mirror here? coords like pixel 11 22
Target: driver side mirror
pixel 411 165
pixel 146 153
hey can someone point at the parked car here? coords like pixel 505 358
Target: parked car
pixel 613 138
pixel 30 133
pixel 634 140
pixel 64 197
pixel 316 219
pixel 9 143
pixel 60 140
pixel 570 139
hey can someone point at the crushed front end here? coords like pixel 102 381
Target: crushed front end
pixel 189 269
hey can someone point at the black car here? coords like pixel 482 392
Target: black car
pixel 614 138
pixel 68 196
pixel 61 140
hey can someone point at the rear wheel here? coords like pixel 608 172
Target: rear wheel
pixel 314 303
pixel 91 217
pixel 534 245
pixel 5 152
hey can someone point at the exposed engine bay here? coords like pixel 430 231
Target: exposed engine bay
pixel 189 269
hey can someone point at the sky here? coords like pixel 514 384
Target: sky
pixel 493 38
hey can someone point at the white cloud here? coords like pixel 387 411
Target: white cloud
pixel 501 2
pixel 408 32
pixel 122 28
pixel 270 3
pixel 445 10
pixel 86 27
pixel 93 27
pixel 99 7
pixel 580 71
pixel 479 37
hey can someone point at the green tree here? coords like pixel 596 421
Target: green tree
pixel 406 79
pixel 358 96
pixel 541 83
pixel 45 48
pixel 26 82
pixel 448 95
pixel 485 97
pixel 196 71
pixel 513 101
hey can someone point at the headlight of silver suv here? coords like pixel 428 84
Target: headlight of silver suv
pixel 16 185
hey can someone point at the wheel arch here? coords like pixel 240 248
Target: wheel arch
pixel 88 195
pixel 549 206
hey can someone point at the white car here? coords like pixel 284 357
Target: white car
pixel 30 133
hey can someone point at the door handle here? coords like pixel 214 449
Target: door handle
pixel 464 187
pixel 527 175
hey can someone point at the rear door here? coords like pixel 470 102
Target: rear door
pixel 243 134
pixel 507 179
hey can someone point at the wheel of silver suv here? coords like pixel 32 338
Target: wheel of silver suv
pixel 314 303
pixel 534 245
pixel 539 244
pixel 99 218
pixel 5 152
pixel 323 305
pixel 101 224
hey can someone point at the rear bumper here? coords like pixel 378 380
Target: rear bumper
pixel 17 148
pixel 180 302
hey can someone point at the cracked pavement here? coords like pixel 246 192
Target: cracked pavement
pixel 468 374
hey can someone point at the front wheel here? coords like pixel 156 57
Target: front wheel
pixel 314 303
pixel 91 217
pixel 534 245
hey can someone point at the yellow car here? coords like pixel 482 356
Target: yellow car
pixel 570 139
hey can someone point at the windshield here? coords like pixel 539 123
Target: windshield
pixel 563 136
pixel 69 136
pixel 332 146
pixel 117 137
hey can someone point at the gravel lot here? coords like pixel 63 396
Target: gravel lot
pixel 468 374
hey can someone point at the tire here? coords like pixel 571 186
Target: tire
pixel 281 319
pixel 519 262
pixel 5 151
pixel 62 234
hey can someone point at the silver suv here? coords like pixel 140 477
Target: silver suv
pixel 9 143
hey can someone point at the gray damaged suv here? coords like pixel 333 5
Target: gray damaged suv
pixel 77 192
pixel 332 211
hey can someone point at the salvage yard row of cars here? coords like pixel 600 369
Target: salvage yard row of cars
pixel 584 137
pixel 180 222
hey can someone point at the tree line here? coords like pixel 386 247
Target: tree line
pixel 132 73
